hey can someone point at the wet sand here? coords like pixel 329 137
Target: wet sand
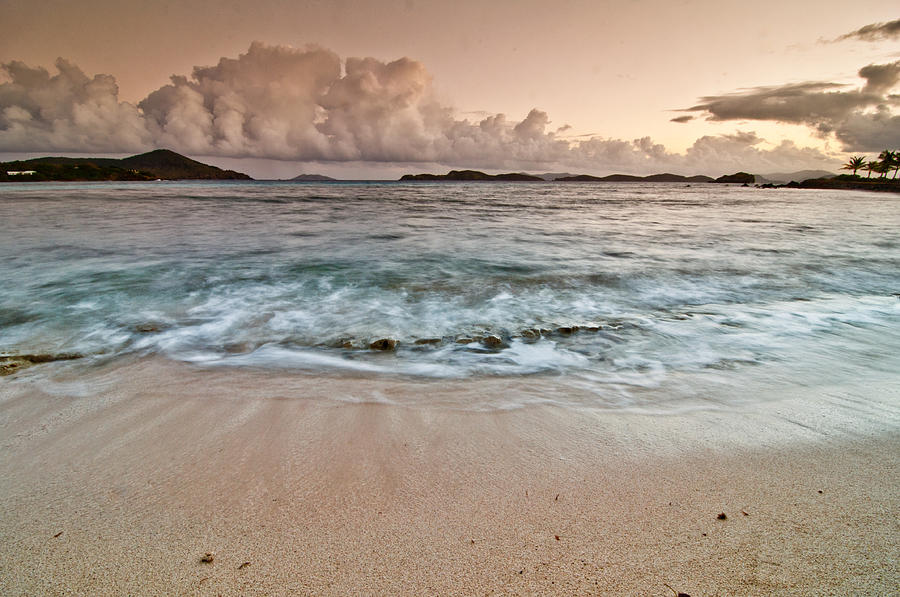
pixel 119 482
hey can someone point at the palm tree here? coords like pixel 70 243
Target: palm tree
pixel 870 167
pixel 855 163
pixel 888 160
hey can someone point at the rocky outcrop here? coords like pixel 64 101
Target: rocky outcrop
pixel 844 182
pixel 848 184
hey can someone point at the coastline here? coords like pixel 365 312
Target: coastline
pixel 119 482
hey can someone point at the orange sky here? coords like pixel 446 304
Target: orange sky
pixel 611 69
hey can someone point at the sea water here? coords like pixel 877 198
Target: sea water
pixel 589 294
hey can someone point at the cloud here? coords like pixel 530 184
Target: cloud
pixel 307 104
pixel 880 78
pixel 875 131
pixel 265 103
pixel 682 119
pixel 861 119
pixel 67 112
pixel 743 151
pixel 874 32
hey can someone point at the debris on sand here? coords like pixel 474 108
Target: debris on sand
pixel 677 593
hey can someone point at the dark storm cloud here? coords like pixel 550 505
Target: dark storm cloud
pixel 860 118
pixel 880 78
pixel 870 132
pixel 874 32
pixel 795 103
pixel 280 102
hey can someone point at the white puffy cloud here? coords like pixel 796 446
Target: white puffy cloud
pixel 265 103
pixel 306 104
pixel 66 112
pixel 742 151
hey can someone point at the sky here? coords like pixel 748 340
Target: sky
pixel 356 89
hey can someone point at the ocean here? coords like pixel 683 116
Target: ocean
pixel 637 295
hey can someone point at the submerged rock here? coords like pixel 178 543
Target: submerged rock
pixel 384 344
pixel 239 347
pixel 11 363
pixel 493 341
pixel 422 341
pixel 150 328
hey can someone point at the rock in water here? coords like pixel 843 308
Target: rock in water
pixel 383 344
pixel 493 341
pixel 10 363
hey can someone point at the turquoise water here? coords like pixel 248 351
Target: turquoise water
pixel 672 286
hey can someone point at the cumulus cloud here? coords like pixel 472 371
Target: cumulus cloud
pixel 744 151
pixel 307 104
pixel 860 118
pixel 874 32
pixel 266 103
pixel 67 111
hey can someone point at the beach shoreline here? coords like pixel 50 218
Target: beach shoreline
pixel 120 484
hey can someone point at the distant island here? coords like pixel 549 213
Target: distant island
pixel 312 178
pixel 474 175
pixel 665 177
pixel 737 178
pixel 785 177
pixel 160 164
pixel 825 180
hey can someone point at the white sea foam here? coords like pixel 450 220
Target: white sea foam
pixel 688 292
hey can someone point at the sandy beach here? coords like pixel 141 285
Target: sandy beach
pixel 120 482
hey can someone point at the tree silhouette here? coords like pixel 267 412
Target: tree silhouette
pixel 895 163
pixel 888 160
pixel 855 163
